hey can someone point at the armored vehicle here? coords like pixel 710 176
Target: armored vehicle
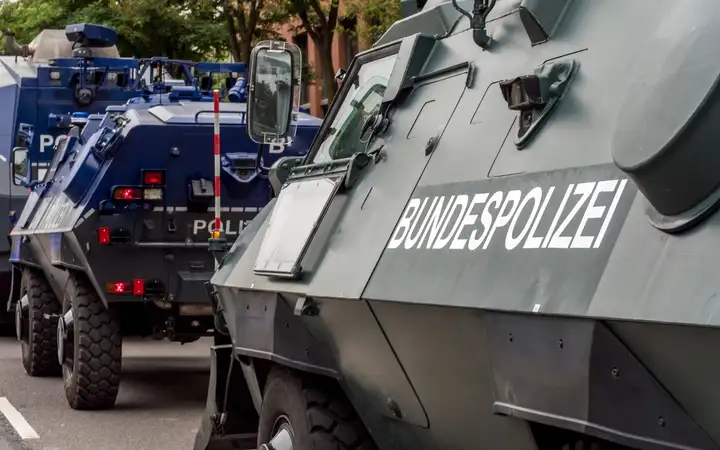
pixel 77 69
pixel 505 241
pixel 114 241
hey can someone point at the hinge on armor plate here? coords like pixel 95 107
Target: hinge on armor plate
pixel 348 168
pixel 109 141
pixel 218 424
pixel 289 234
pixel 535 95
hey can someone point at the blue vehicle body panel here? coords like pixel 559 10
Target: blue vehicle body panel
pixel 41 98
pixel 64 213
pixel 146 142
pixel 8 98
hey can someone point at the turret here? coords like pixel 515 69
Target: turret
pixel 13 47
pixel 86 37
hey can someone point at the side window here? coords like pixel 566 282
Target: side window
pixel 347 139
pixel 362 100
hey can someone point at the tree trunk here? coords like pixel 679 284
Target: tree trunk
pixel 232 32
pixel 245 49
pixel 235 48
pixel 328 70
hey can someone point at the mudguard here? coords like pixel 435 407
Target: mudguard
pixel 219 431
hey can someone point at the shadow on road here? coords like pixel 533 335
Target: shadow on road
pixel 163 382
pixel 163 389
pixel 7 330
pixel 162 397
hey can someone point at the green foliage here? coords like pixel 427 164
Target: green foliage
pixel 27 18
pixel 184 29
pixel 377 16
pixel 204 29
pixel 308 73
pixel 249 21
pixel 319 18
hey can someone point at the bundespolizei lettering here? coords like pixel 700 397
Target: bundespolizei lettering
pixel 572 217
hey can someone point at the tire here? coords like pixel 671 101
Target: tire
pixel 39 343
pixel 93 355
pixel 319 414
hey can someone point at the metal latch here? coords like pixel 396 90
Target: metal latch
pixel 536 94
pixel 202 188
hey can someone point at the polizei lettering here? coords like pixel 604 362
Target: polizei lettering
pixel 576 216
pixel 229 227
pixel 50 141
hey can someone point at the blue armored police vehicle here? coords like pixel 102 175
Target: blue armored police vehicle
pixel 114 241
pixel 44 82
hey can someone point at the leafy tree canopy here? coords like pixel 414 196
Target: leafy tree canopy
pixel 183 29
pixel 321 19
pixel 204 29
pixel 376 16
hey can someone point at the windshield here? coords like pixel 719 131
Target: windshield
pixel 361 101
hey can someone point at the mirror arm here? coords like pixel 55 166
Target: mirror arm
pixel 259 168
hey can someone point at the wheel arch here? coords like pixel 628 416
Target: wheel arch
pixel 71 258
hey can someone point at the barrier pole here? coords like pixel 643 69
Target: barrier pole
pixel 216 151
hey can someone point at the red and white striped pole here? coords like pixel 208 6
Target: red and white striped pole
pixel 216 151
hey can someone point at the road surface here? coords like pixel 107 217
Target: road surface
pixel 161 400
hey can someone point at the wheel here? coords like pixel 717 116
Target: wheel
pixel 91 351
pixel 306 413
pixel 35 325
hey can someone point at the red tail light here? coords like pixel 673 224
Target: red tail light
pixel 154 177
pixel 138 287
pixel 117 287
pixel 126 193
pixel 104 235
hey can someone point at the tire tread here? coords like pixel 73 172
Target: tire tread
pixel 332 420
pixel 41 359
pixel 99 356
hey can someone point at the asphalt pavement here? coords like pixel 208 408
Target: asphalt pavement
pixel 162 397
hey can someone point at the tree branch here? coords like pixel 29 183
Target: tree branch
pixel 321 15
pixel 255 9
pixel 333 15
pixel 240 16
pixel 308 26
pixel 232 32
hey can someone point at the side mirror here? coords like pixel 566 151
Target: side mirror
pixel 273 91
pixel 20 166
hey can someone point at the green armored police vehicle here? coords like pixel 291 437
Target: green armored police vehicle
pixel 502 238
